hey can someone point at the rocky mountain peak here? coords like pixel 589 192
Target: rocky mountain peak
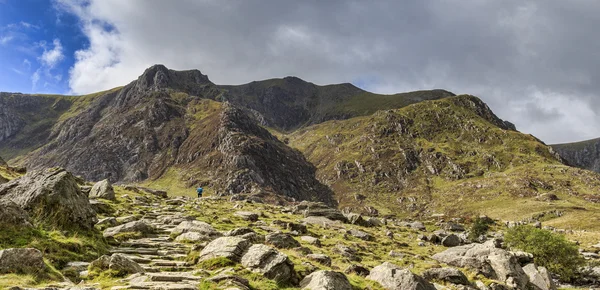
pixel 159 77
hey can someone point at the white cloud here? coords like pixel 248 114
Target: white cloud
pixel 50 58
pixel 5 39
pixel 517 55
pixel 35 78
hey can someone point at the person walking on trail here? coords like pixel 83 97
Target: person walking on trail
pixel 199 191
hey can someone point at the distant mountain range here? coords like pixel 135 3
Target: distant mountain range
pixel 584 154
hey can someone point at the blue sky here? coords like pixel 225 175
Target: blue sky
pixel 37 45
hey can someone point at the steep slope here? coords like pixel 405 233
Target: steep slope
pixel 584 154
pixel 447 155
pixel 291 103
pixel 152 128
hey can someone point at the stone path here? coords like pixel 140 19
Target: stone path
pixel 162 258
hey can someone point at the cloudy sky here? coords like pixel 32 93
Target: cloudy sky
pixel 536 63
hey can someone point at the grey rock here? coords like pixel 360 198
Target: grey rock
pixel 358 270
pixel 238 232
pixel 320 258
pixel 454 227
pixel 450 275
pixel 123 264
pixel 102 189
pixel 539 277
pixel 451 240
pixel 130 227
pixel 228 247
pixel 418 226
pixel 196 226
pixel 108 221
pixel 325 280
pixel 311 240
pixel 192 237
pixel 493 263
pixel 11 215
pixel 232 282
pixel 268 261
pixel 51 196
pixel 347 252
pixel 361 235
pixel 281 241
pixel 246 215
pixel 21 261
pixel 77 266
pixel 393 277
pixel 322 221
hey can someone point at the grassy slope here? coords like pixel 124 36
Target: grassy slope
pixel 440 156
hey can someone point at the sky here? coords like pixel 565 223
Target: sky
pixel 535 63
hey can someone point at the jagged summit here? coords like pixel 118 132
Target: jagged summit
pixel 159 77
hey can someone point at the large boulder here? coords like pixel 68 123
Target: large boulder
pixel 539 277
pixel 103 189
pixel 21 261
pixel 51 197
pixel 492 262
pixel 268 261
pixel 231 248
pixel 326 280
pixel 393 277
pixel 130 227
pixel 11 215
pixel 197 227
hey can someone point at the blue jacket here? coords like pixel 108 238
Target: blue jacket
pixel 199 190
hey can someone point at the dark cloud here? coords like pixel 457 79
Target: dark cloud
pixel 536 63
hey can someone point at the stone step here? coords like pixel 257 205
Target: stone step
pixel 158 286
pixel 169 263
pixel 167 269
pixel 170 252
pixel 173 276
pixel 141 251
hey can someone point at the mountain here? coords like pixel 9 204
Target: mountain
pixel 584 154
pixel 178 127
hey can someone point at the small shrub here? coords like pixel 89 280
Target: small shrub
pixel 479 227
pixel 550 250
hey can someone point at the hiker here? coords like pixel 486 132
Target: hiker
pixel 199 191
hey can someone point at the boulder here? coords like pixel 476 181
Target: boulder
pixel 117 262
pixel 11 215
pixel 451 240
pixel 51 197
pixel 361 235
pixel 320 258
pixel 358 270
pixel 320 209
pixel 450 275
pixel 311 240
pixel 21 261
pixel 347 252
pixel 539 277
pixel 298 228
pixel 281 241
pixel 246 215
pixel 230 282
pixel 493 263
pixel 231 248
pixel 326 280
pixel 393 277
pixel 356 219
pixel 130 227
pixel 108 221
pixel 454 227
pixel 101 207
pixel 238 232
pixel 198 227
pixel 268 261
pixel 192 237
pixel 322 221
pixel 417 226
pixel 103 189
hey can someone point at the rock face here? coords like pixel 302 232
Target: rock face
pixel 326 280
pixel 102 189
pixel 585 154
pixel 393 277
pixel 21 261
pixel 268 261
pixel 51 196
pixel 493 263
pixel 227 247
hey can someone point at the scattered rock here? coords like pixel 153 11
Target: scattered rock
pixel 268 261
pixel 281 241
pixel 294 227
pixel 228 247
pixel 322 221
pixel 320 209
pixel 198 227
pixel 347 252
pixel 311 240
pixel 130 227
pixel 102 189
pixel 320 258
pixel 326 280
pixel 246 215
pixel 238 232
pixel 51 196
pixel 418 226
pixel 361 235
pixel 21 261
pixel 393 277
pixel 108 221
pixel 192 237
pixel 454 227
pixel 231 281
pixel 122 264
pixel 450 275
pixel 358 270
